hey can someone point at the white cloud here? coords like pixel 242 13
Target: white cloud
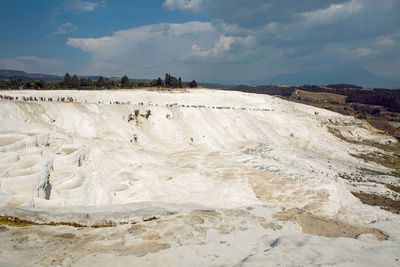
pixel 333 12
pixel 191 5
pixel 362 52
pixel 33 64
pixel 159 45
pixel 220 50
pixel 221 46
pixel 385 41
pixel 82 6
pixel 66 28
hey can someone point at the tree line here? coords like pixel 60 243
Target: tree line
pixel 75 82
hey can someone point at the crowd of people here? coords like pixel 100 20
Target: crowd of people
pixel 117 102
pixel 35 99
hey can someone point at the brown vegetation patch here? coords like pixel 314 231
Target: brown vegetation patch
pixel 376 200
pixel 391 160
pixel 15 222
pixel 317 225
pixel 18 222
pixel 320 97
pixel 384 126
pixel 393 188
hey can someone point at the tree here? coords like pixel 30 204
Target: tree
pixel 159 82
pixel 174 82
pixel 133 84
pixel 67 82
pixel 89 82
pixel 193 84
pixel 100 82
pixel 75 83
pixel 53 85
pixel 110 84
pixel 83 81
pixel 124 81
pixel 40 84
pixel 29 84
pixel 180 82
pixel 153 83
pixel 167 79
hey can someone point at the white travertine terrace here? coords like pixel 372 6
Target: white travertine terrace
pixel 197 149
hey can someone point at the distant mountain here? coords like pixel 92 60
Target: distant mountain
pixel 16 74
pixel 348 75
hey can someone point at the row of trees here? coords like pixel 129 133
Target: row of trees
pixel 169 81
pixel 74 82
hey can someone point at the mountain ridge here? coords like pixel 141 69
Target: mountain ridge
pixel 17 74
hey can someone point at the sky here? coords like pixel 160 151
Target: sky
pixel 235 41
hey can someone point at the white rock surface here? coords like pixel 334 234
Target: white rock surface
pixel 201 149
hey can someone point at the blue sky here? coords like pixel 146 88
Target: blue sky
pixel 227 41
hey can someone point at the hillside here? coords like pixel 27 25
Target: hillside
pixel 380 107
pixel 319 97
pixel 16 74
pixel 207 176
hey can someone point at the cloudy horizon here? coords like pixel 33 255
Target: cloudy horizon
pixel 211 41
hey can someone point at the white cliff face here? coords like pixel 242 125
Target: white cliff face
pixel 202 148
